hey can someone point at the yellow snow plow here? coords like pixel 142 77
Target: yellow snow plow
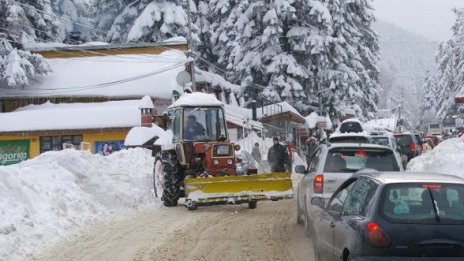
pixel 237 189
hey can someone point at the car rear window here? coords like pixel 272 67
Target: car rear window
pixel 380 140
pixel 403 140
pixel 412 203
pixel 354 159
pixel 349 139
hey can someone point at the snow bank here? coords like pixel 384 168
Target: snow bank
pixel 52 196
pixel 446 158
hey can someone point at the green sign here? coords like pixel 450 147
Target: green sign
pixel 13 151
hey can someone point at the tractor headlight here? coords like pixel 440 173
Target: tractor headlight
pixel 229 161
pixel 216 162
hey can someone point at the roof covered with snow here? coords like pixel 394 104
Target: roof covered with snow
pixel 108 76
pixel 67 116
pixel 197 99
pixel 381 124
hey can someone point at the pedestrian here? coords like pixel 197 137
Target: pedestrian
pixel 311 145
pixel 290 150
pixel 277 156
pixel 256 154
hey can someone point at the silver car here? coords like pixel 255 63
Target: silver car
pixel 331 165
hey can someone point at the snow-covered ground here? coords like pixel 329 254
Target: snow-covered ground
pixel 51 197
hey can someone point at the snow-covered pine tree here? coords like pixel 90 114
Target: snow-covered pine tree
pixel 75 16
pixel 450 59
pixel 142 20
pixel 354 57
pixel 428 108
pixel 24 21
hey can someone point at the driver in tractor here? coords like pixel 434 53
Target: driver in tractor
pixel 193 128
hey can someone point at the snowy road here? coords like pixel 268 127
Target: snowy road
pixel 268 232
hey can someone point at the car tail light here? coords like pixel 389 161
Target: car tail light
pixel 375 236
pixel 318 184
pixel 412 146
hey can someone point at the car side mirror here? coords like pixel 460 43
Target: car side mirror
pixel 300 169
pixel 318 201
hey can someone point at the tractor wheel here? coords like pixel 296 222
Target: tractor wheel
pixel 172 178
pixel 252 204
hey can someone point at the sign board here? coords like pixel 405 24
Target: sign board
pixel 321 125
pixel 14 151
pixel 106 148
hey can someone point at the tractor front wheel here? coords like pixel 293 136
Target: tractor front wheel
pixel 172 178
pixel 252 204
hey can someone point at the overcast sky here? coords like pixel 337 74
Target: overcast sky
pixel 430 18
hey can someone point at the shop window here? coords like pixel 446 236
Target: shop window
pixel 48 143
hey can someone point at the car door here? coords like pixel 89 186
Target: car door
pixel 307 180
pixel 324 223
pixel 354 211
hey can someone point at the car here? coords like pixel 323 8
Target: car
pixel 390 216
pixel 331 165
pixel 387 139
pixel 246 164
pixel 434 138
pixel 408 144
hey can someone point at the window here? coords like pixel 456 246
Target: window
pixel 337 202
pixel 204 124
pixel 55 143
pixel 175 117
pixel 353 159
pixel 358 198
pixel 315 161
pixel 412 203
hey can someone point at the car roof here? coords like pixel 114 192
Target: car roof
pixel 349 134
pixel 412 177
pixel 356 145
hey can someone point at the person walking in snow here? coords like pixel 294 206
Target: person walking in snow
pixel 256 154
pixel 277 156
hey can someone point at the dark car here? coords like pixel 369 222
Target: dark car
pixel 390 216
pixel 408 144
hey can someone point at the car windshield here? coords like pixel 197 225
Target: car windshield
pixel 354 159
pixel 412 203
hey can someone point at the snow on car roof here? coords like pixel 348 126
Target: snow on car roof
pixel 197 99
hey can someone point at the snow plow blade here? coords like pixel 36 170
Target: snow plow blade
pixel 238 189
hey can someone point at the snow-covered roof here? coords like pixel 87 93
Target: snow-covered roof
pixel 197 99
pixel 271 109
pixel 215 79
pixel 241 117
pixel 69 116
pixel 108 76
pixel 138 136
pixel 146 103
pixel 313 118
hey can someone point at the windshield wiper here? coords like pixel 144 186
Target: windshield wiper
pixel 435 207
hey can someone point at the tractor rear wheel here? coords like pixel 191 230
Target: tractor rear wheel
pixel 172 178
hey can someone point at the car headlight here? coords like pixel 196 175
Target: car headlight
pixel 216 162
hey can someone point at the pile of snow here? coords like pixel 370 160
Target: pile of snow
pixel 446 158
pixel 51 197
pixel 138 136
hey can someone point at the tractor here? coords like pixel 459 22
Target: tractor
pixel 199 161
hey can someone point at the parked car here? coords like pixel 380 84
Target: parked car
pixel 245 163
pixel 331 165
pixel 386 216
pixel 408 144
pixel 434 138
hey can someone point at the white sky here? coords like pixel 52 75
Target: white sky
pixel 430 18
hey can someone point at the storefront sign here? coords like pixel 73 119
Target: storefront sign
pixel 13 151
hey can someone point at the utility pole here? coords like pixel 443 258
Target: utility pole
pixel 190 54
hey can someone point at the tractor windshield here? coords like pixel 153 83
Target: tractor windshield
pixel 204 124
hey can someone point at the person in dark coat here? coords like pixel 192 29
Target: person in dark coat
pixel 277 156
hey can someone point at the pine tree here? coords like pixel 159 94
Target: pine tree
pixel 428 108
